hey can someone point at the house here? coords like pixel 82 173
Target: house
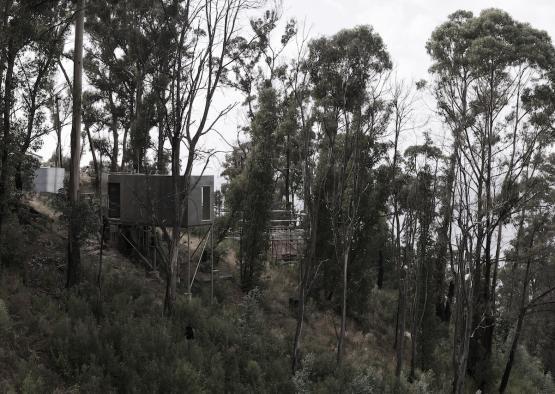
pixel 144 199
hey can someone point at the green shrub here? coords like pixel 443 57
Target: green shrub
pixel 14 242
pixel 5 320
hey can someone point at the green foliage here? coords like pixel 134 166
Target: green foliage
pixel 87 211
pixel 341 66
pixel 130 348
pixel 13 242
pixel 548 385
pixel 343 70
pixel 259 189
pixel 5 320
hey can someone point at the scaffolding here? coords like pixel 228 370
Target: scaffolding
pixel 285 234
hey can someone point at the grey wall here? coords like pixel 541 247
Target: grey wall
pixel 143 196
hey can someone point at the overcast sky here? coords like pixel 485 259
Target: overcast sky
pixel 404 25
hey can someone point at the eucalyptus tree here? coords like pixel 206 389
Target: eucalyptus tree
pixel 257 75
pixel 259 62
pixel 201 35
pixel 528 276
pixel 402 103
pixel 73 272
pixel 36 66
pixel 126 64
pixel 300 87
pixel 483 65
pixel 422 163
pixel 347 72
pixel 30 36
pixel 532 264
pixel 259 188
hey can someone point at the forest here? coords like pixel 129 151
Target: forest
pixel 426 208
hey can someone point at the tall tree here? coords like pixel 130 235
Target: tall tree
pixel 25 32
pixel 259 189
pixel 482 66
pixel 347 72
pixel 74 249
pixel 202 33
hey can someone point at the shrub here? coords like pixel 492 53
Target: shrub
pixel 5 320
pixel 13 243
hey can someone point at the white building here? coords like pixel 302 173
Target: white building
pixel 48 179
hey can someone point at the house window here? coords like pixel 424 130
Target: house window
pixel 205 202
pixel 114 202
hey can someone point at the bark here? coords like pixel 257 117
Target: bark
pixel 74 252
pixel 298 329
pixel 510 360
pixel 115 135
pixel 287 173
pixel 160 160
pixel 520 321
pixel 5 150
pixel 312 204
pixel 340 343
pixel 95 161
pixel 400 348
pixel 443 232
pixel 58 128
pixel 171 280
pixel 306 277
pixel 124 148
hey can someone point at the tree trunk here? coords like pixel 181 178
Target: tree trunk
pixel 124 148
pixel 443 232
pixel 160 159
pixel 340 343
pixel 298 329
pixel 171 278
pixel 460 372
pixel 521 315
pixel 74 252
pixel 95 161
pixel 287 174
pixel 58 127
pixel 510 360
pixel 4 187
pixel 400 335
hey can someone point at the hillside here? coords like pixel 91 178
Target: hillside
pixel 116 340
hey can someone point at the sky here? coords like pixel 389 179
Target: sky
pixel 404 25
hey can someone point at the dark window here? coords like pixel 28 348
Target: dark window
pixel 206 202
pixel 114 200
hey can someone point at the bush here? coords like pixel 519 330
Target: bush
pixel 5 321
pixel 13 243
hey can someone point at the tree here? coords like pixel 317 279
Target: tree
pixel 202 33
pixel 259 189
pixel 74 251
pixel 421 205
pixel 27 30
pixel 402 103
pixel 482 66
pixel 37 70
pixel 347 72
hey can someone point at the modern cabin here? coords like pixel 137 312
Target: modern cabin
pixel 143 199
